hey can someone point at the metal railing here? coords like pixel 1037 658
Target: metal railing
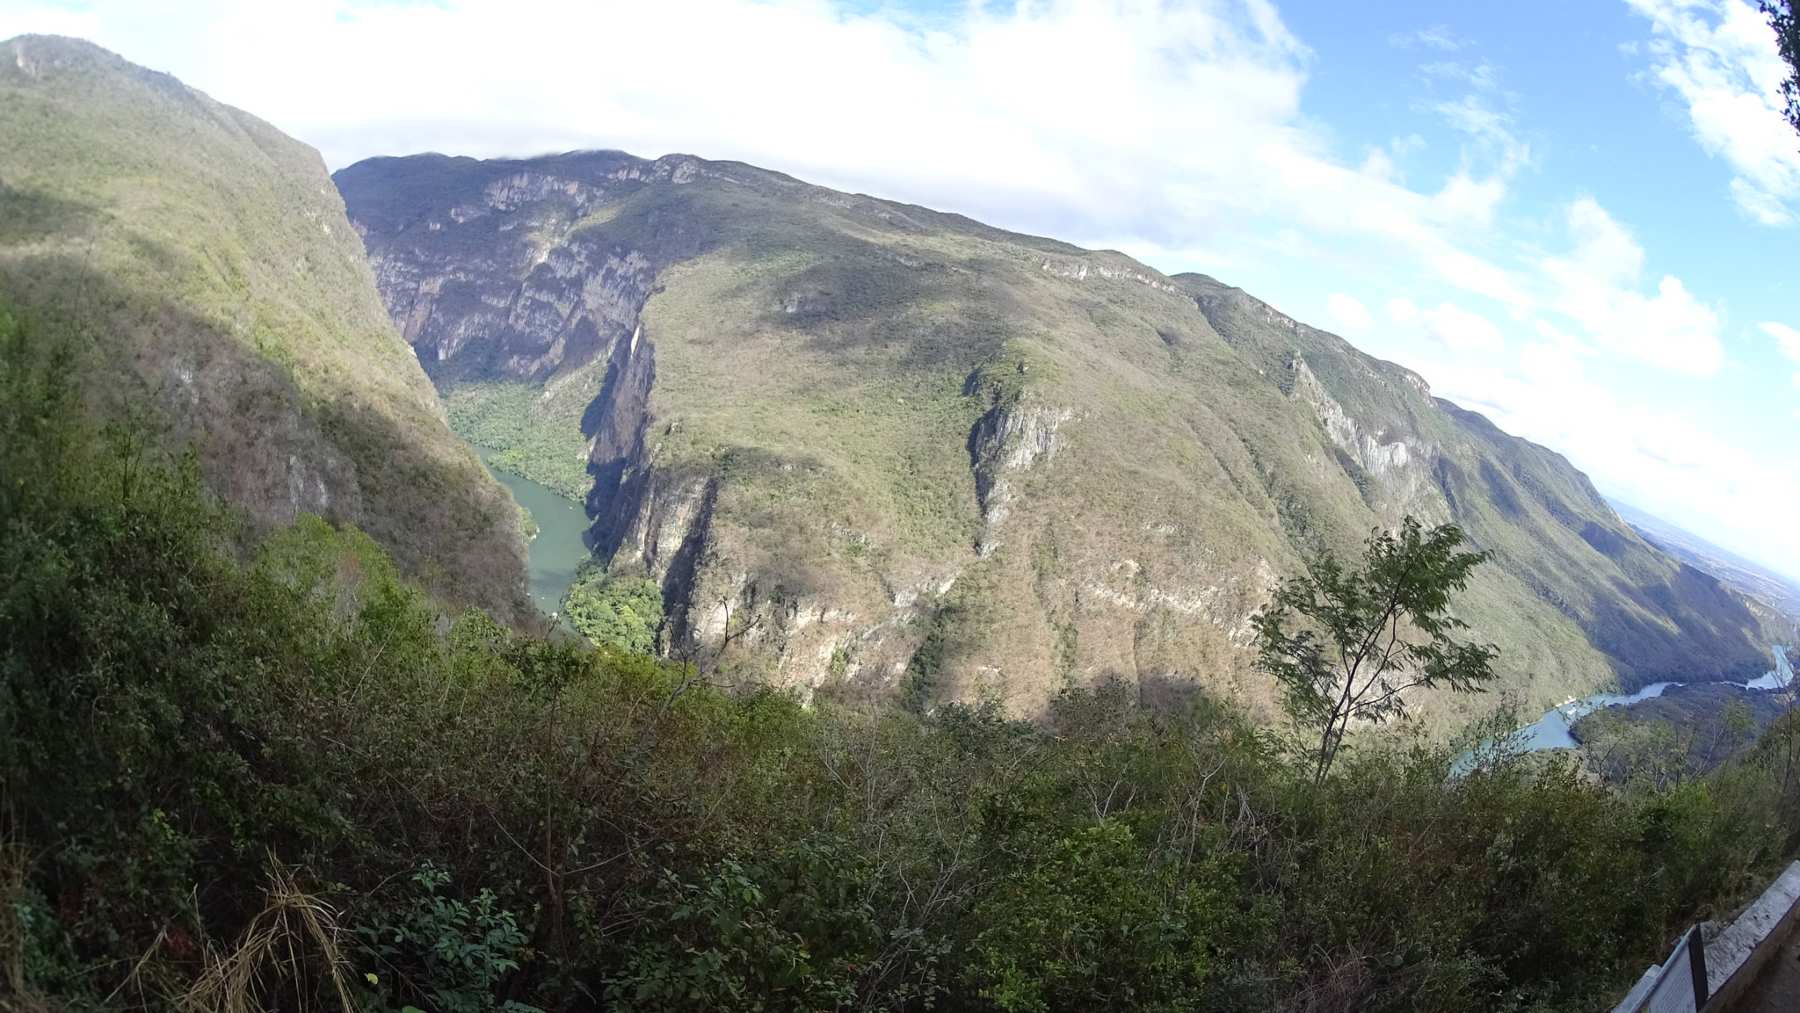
pixel 1690 982
pixel 1678 985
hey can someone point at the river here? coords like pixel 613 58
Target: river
pixel 1552 730
pixel 559 547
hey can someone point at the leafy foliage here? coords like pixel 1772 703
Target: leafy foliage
pixel 615 610
pixel 1100 923
pixel 449 952
pixel 1357 649
pixel 721 947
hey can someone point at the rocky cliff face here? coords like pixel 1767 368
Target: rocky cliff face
pixel 1008 440
pixel 201 266
pixel 865 445
pixel 500 274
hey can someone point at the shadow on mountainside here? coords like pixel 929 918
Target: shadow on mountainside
pixel 262 443
pixel 1710 642
pixel 28 216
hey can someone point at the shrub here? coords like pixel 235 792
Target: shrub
pixel 442 950
pixel 614 609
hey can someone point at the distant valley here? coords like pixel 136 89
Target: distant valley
pixel 1750 578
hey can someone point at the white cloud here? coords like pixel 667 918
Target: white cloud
pixel 1463 331
pixel 1348 314
pixel 1408 145
pixel 1787 340
pixel 1596 287
pixel 1490 127
pixel 1449 325
pixel 1658 456
pixel 1472 200
pixel 1479 76
pixel 1719 56
pixel 1438 37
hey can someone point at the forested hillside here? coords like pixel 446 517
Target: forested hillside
pixel 217 299
pixel 865 442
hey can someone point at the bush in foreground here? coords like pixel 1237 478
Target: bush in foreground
pixel 278 772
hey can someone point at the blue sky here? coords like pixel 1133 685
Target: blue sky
pixel 1578 218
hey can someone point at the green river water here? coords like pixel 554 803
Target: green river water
pixel 558 548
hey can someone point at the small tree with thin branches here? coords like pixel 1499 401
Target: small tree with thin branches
pixel 1347 644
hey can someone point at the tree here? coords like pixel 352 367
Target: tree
pixel 608 608
pixel 1787 39
pixel 1362 638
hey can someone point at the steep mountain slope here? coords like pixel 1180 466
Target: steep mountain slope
pixel 203 263
pixel 1652 615
pixel 865 442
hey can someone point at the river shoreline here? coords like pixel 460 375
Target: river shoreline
pixel 1553 730
pixel 559 547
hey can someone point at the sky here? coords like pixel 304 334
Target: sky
pixel 1579 218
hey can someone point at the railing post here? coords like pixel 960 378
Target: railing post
pixel 1697 965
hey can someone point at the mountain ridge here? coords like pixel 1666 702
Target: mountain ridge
pixel 201 264
pixel 868 445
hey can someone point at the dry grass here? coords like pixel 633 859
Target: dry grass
pixel 288 953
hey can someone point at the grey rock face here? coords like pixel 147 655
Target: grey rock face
pixel 1010 440
pixel 1396 472
pixel 616 424
pixel 506 285
pixel 532 311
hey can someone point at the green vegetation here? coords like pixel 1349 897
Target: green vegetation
pixel 510 420
pixel 205 270
pixel 283 777
pixel 1356 652
pixel 461 950
pixel 1686 731
pixel 615 610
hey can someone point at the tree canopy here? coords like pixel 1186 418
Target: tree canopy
pixel 618 610
pixel 1361 639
